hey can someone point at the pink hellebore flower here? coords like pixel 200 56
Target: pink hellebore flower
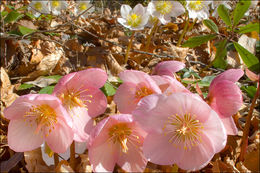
pixel 181 129
pixel 136 85
pixel 226 98
pixel 168 68
pixel 117 140
pixel 82 98
pixel 36 118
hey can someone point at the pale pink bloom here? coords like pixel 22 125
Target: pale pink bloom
pixel 117 140
pixel 182 129
pixel 164 10
pixel 136 85
pixel 168 68
pixel 252 76
pixel 134 19
pixel 82 98
pixel 36 118
pixel 226 98
pixel 169 85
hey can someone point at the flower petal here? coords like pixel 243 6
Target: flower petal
pixel 60 138
pixel 229 125
pixel 125 10
pixel 22 137
pixel 168 68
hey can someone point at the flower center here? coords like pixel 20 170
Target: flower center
pixel 44 115
pixel 120 133
pixel 164 7
pixel 73 98
pixel 183 130
pixel 134 20
pixel 196 5
pixel 142 92
pixel 38 6
pixel 55 4
pixel 82 6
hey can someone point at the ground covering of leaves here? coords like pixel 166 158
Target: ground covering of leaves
pixel 34 61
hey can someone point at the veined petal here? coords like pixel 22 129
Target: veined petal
pixel 125 10
pixel 229 125
pixel 168 68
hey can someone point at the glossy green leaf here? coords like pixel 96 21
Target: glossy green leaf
pixel 240 10
pixel 24 30
pixel 248 58
pixel 206 81
pixel 108 89
pixel 223 13
pixel 12 17
pixel 56 77
pixel 25 86
pixel 211 25
pixel 46 90
pixel 198 40
pixel 219 61
pixel 249 28
pixel 250 90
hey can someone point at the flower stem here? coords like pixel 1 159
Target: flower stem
pixel 129 46
pixel 184 30
pixel 191 27
pixel 72 155
pixel 247 126
pixel 149 38
pixel 56 159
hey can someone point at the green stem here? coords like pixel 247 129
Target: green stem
pixel 149 38
pixel 247 126
pixel 72 155
pixel 191 27
pixel 129 46
pixel 184 30
pixel 56 159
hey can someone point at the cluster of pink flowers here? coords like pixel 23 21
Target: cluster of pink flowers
pixel 160 120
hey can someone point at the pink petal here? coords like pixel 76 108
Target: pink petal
pixel 252 76
pixel 125 97
pixel 60 138
pixel 93 77
pixel 227 97
pixel 81 119
pixel 168 68
pixel 98 103
pixel 232 75
pixel 22 137
pixel 198 156
pixel 62 82
pixel 103 157
pixel 229 125
pixel 137 77
pixel 159 150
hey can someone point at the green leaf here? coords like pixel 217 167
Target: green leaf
pixel 206 81
pixel 25 86
pixel 223 13
pixel 198 40
pixel 3 14
pixel 56 77
pixel 249 28
pixel 30 15
pixel 240 10
pixel 248 58
pixel 46 90
pixel 219 61
pixel 186 74
pixel 13 16
pixel 211 25
pixel 108 89
pixel 24 30
pixel 250 90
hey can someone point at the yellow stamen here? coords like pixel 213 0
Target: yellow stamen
pixel 196 5
pixel 163 7
pixel 55 4
pixel 142 92
pixel 183 130
pixel 134 20
pixel 38 6
pixel 82 6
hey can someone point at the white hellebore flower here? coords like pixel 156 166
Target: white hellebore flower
pixel 198 9
pixel 57 6
pixel 81 6
pixel 134 19
pixel 164 10
pixel 38 7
